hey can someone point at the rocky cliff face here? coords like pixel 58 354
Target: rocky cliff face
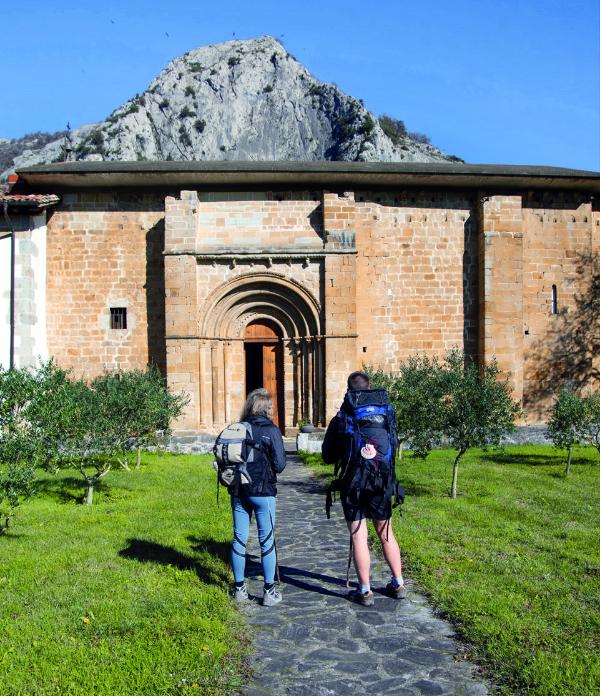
pixel 239 100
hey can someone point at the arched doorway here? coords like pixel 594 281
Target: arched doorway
pixel 284 319
pixel 263 361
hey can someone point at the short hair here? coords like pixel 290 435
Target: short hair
pixel 258 403
pixel 358 380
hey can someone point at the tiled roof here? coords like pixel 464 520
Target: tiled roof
pixel 31 200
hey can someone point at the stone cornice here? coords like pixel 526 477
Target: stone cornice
pixel 229 255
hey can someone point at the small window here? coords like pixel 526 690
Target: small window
pixel 118 317
pixel 554 300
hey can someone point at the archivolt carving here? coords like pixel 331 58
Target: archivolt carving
pixel 235 303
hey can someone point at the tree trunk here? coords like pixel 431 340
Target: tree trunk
pixel 90 493
pixel 139 458
pixel 569 461
pixel 400 448
pixel 125 462
pixel 455 474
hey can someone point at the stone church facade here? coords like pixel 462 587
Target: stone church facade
pixel 291 275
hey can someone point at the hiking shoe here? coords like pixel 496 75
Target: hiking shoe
pixel 271 597
pixel 365 599
pixel 395 591
pixel 240 594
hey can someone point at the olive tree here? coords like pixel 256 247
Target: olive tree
pixel 569 422
pixel 592 435
pixel 137 408
pixel 17 470
pixel 84 436
pixel 477 408
pixel 415 393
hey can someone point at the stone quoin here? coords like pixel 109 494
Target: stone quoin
pixel 229 275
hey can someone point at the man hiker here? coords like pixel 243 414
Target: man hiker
pixel 361 441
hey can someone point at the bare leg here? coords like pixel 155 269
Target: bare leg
pixel 391 550
pixel 360 549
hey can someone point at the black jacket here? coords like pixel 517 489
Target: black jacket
pixel 334 447
pixel 269 458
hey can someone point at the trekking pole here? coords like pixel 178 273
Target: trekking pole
pixel 276 553
pixel 349 563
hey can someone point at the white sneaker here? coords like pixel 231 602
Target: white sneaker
pixel 271 597
pixel 240 594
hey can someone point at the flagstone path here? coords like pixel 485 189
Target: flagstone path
pixel 318 642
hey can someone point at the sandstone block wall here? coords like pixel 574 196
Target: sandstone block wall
pixel 417 275
pixel 501 286
pixel 350 277
pixel 103 250
pixel 561 235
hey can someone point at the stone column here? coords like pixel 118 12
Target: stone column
pixel 226 380
pixel 289 396
pixel 181 307
pixel 305 377
pixel 204 391
pixel 297 381
pixel 501 285
pixel 310 374
pixel 319 381
pixel 214 371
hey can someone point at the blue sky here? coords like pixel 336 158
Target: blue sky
pixel 493 81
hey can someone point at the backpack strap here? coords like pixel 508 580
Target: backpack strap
pixel 330 496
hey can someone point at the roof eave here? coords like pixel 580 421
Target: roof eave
pixel 305 174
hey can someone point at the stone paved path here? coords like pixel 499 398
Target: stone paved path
pixel 316 641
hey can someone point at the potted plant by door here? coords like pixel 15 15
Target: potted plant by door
pixel 305 426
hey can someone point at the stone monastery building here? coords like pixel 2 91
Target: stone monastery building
pixel 232 275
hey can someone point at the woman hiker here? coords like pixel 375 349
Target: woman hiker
pixel 258 497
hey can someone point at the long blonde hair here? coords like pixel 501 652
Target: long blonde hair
pixel 258 403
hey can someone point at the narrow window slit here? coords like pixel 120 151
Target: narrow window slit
pixel 554 300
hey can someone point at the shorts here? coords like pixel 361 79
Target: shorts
pixel 371 507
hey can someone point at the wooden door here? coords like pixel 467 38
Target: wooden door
pixel 269 354
pixel 265 335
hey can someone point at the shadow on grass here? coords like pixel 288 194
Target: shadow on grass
pixel 553 459
pixel 416 490
pixel 208 567
pixel 10 535
pixel 70 489
pixel 205 545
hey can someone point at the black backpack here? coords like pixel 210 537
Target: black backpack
pixel 369 445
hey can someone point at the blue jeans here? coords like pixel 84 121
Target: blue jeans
pixel 264 510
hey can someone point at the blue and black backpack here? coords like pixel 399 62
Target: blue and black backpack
pixel 369 444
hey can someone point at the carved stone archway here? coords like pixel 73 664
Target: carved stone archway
pixel 223 319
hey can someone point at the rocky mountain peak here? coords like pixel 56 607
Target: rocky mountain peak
pixel 238 100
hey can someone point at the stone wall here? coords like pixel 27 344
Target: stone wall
pixel 105 250
pixel 30 343
pixel 220 271
pixel 417 275
pixel 350 277
pixel 561 232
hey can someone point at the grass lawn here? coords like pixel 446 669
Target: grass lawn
pixel 127 596
pixel 514 561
